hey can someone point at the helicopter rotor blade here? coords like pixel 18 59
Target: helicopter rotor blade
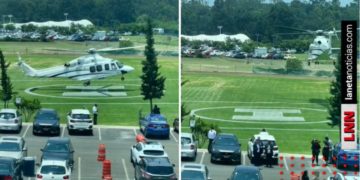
pixel 110 49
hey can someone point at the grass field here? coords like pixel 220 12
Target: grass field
pixel 222 92
pixel 119 111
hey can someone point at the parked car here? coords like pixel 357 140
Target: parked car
pixel 239 55
pixel 278 56
pixel 348 157
pixel 10 120
pixel 146 149
pixel 154 125
pixel 340 176
pixel 79 120
pixel 57 148
pixel 9 169
pixel 188 146
pixel 289 56
pixel 54 170
pixel 226 147
pixel 155 168
pixel 46 121
pixel 265 138
pixel 246 173
pixel 13 147
pixel 194 171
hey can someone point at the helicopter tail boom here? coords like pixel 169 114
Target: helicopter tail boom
pixel 26 68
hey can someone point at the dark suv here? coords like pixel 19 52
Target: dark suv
pixel 154 168
pixel 9 169
pixel 46 121
pixel 57 148
pixel 226 147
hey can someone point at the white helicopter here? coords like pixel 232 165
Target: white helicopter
pixel 84 68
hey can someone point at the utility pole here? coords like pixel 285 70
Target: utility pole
pixel 220 27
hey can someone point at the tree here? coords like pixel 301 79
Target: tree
pixel 7 88
pixel 10 27
pixel 153 84
pixel 28 107
pixel 334 107
pixel 183 112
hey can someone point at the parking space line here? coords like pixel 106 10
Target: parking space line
pixel 26 130
pixel 79 165
pixel 202 157
pixel 173 136
pixel 286 166
pixel 243 158
pixel 135 131
pixel 99 134
pixel 63 132
pixel 124 165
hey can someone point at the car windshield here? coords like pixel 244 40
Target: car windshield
pixel 9 146
pixel 80 116
pixel 157 119
pixel 227 141
pixel 265 142
pixel 153 152
pixel 160 170
pixel 243 175
pixel 56 147
pixel 46 116
pixel 52 169
pixel 7 115
pixel 192 175
pixel 185 140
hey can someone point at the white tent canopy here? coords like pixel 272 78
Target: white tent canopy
pixel 67 23
pixel 220 37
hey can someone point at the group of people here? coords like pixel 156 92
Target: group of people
pixel 259 149
pixel 326 151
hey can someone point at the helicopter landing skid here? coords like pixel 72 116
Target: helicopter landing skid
pixel 87 83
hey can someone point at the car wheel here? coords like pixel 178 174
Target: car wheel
pixel 34 133
pixel 275 161
pixel 212 160
pixel 70 131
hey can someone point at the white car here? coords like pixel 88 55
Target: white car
pixel 79 120
pixel 14 147
pixel 190 171
pixel 11 120
pixel 188 146
pixel 146 149
pixel 289 56
pixel 265 138
pixel 340 176
pixel 54 170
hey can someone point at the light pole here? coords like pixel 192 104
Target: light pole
pixel 220 27
pixel 10 16
pixel 257 39
pixel 66 15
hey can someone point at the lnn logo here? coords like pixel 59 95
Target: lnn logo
pixel 348 126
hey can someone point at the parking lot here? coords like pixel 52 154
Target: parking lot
pixel 117 140
pixel 288 164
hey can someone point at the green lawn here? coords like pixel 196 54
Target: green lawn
pixel 222 92
pixel 119 111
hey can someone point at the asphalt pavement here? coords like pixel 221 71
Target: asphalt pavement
pixel 117 140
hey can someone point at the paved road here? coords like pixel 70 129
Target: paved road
pixel 117 140
pixel 288 164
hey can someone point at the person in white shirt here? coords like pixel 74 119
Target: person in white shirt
pixel 211 137
pixel 95 113
pixel 192 123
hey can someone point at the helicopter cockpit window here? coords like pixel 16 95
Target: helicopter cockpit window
pixel 119 65
pixel 92 69
pixel 107 67
pixel 113 66
pixel 99 68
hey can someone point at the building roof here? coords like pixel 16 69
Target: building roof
pixel 67 23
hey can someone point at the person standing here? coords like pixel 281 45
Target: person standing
pixel 192 123
pixel 269 153
pixel 315 148
pixel 211 137
pixel 327 149
pixel 156 109
pixel 257 151
pixel 95 113
pixel 305 176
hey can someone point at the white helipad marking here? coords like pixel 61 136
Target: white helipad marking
pixel 267 114
pixel 171 132
pixel 99 133
pixel 202 157
pixel 79 165
pixel 26 130
pixel 124 165
pixel 63 132
pixel 286 166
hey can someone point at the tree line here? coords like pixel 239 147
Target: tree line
pixel 113 14
pixel 265 22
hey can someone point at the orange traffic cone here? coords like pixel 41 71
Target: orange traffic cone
pixel 106 169
pixel 140 138
pixel 101 152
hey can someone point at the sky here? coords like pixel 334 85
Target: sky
pixel 343 2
